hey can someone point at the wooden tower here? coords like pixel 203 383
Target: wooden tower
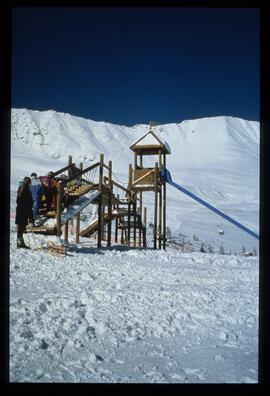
pixel 149 179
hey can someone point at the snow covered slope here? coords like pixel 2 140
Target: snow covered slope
pixel 216 158
pixel 139 316
pixel 132 316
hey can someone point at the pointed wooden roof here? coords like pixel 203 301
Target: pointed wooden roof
pixel 150 144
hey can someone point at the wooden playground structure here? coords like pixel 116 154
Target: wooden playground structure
pixel 119 219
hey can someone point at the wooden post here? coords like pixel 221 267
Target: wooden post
pixel 69 162
pixel 160 202
pixel 160 217
pixel 110 206
pixel 78 218
pixel 135 160
pixel 145 216
pixel 100 201
pixel 144 230
pixel 164 207
pixel 141 161
pixel 129 201
pixel 134 217
pixel 66 232
pixel 155 204
pixel 81 168
pixel 116 222
pixel 140 195
pixel 122 237
pixel 103 225
pixel 58 208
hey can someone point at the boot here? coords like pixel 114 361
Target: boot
pixel 21 243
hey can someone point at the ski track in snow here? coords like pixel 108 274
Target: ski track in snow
pixel 133 316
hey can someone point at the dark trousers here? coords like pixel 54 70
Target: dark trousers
pixel 20 230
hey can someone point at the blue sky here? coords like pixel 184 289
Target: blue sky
pixel 132 65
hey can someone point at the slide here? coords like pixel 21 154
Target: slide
pixel 78 205
pixel 167 177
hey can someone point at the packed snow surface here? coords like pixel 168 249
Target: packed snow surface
pixel 132 316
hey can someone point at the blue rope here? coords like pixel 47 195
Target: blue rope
pixel 167 177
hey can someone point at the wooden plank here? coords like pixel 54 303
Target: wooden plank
pixel 145 174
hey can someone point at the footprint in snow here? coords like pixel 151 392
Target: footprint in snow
pixel 197 372
pixel 219 358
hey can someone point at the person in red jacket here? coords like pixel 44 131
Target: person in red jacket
pixel 50 190
pixel 24 213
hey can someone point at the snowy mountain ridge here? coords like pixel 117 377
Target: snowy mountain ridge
pixel 216 158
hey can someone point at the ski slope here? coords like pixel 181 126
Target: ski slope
pixel 140 316
pixel 215 158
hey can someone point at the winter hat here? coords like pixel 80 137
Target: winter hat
pixel 33 174
pixel 27 180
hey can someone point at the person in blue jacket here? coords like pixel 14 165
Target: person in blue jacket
pixel 36 189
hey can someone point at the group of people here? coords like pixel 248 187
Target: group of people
pixel 32 193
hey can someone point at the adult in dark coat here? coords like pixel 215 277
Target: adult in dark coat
pixel 24 213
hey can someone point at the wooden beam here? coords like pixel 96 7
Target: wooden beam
pixel 145 216
pixel 100 201
pixel 144 228
pixel 159 160
pixel 164 207
pixel 160 217
pixel 129 201
pixel 78 218
pixel 58 208
pixel 135 219
pixel 135 160
pixel 103 224
pixel 116 221
pixel 160 200
pixel 110 206
pixel 140 195
pixel 70 164
pixel 155 204
pixel 122 237
pixel 66 232
pixel 81 168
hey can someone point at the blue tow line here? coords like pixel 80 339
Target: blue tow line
pixel 167 177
